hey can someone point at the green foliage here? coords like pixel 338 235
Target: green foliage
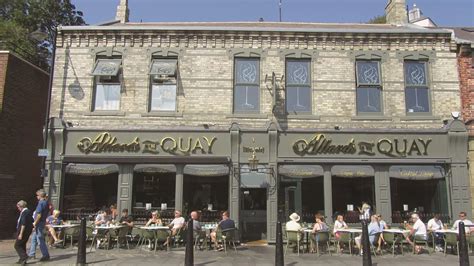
pixel 19 18
pixel 378 20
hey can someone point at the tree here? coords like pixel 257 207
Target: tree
pixel 19 18
pixel 382 19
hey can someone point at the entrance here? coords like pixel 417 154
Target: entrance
pixel 253 213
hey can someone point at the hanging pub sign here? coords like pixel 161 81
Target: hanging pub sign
pixel 320 144
pixel 105 142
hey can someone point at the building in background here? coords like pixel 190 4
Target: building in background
pixel 23 94
pixel 416 17
pixel 464 38
pixel 260 118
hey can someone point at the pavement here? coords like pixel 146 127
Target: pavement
pixel 245 255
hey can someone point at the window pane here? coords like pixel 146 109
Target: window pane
pixel 106 67
pixel 246 98
pixel 163 98
pixel 368 73
pixel 368 99
pixel 417 100
pixel 165 67
pixel 298 72
pixel 107 97
pixel 247 71
pixel 415 73
pixel 298 99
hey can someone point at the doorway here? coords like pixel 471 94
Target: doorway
pixel 253 214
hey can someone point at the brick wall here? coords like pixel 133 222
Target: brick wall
pixel 466 78
pixel 23 90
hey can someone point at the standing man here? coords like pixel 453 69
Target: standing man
pixel 41 213
pixel 24 226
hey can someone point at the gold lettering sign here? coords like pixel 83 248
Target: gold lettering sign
pixel 107 143
pixel 416 174
pixel 397 148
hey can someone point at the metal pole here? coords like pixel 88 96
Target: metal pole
pixel 279 7
pixel 44 171
pixel 81 248
pixel 279 259
pixel 463 252
pixel 189 253
pixel 366 257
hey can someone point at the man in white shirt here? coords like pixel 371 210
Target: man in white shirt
pixel 293 224
pixel 462 218
pixel 418 230
pixel 175 225
pixel 436 224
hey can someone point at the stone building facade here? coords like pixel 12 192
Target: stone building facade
pixel 261 118
pixel 23 93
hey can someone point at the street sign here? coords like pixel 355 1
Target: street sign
pixel 43 152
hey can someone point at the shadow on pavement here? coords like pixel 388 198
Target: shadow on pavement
pixel 207 262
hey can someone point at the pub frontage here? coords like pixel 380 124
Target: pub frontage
pixel 263 176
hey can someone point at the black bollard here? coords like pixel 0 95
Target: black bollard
pixel 463 252
pixel 279 259
pixel 367 256
pixel 189 253
pixel 81 248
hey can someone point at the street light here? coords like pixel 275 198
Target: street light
pixel 364 218
pixel 40 35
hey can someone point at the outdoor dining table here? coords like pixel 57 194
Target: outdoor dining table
pixel 61 226
pixel 208 228
pixel 160 227
pixel 443 231
pixel 402 232
pixel 307 231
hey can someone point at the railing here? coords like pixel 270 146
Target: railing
pixel 400 217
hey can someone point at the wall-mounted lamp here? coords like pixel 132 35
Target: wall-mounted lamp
pixel 455 115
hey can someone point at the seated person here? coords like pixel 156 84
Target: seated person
pixel 374 230
pixel 225 223
pixel 101 218
pixel 463 218
pixel 177 223
pixel 196 223
pixel 113 213
pixel 339 224
pixel 382 223
pixel 436 224
pixel 417 230
pixel 293 224
pixel 126 219
pixel 319 226
pixel 155 219
pixel 54 220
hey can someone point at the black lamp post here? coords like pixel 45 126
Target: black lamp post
pixel 366 256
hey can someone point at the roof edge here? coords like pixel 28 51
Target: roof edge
pixel 321 29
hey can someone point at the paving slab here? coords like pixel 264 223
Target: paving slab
pixel 245 255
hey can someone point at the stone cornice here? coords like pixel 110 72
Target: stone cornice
pixel 265 40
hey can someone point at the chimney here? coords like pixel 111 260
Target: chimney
pixel 122 11
pixel 396 12
pixel 414 13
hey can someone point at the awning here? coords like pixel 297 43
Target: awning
pixel 154 168
pixel 350 171
pixel 250 179
pixel 300 171
pixel 206 170
pixel 91 169
pixel 107 67
pixel 417 172
pixel 165 67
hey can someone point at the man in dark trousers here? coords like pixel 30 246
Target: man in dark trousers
pixel 24 226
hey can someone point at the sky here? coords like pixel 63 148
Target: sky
pixel 442 12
